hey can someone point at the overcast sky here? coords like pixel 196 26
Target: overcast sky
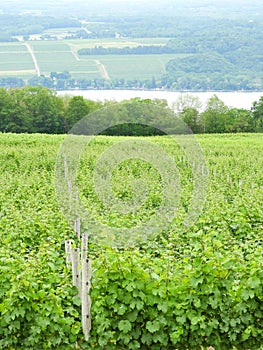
pixel 137 6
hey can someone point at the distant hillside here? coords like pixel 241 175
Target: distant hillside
pixel 209 45
pixel 119 8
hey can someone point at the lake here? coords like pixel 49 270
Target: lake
pixel 231 99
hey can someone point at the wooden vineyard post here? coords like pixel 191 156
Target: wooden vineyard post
pixel 76 270
pixel 81 275
pixel 68 249
pixel 77 227
pixel 85 298
pixel 85 287
pixel 214 173
pixel 229 180
pixel 84 247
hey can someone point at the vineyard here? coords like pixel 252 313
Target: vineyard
pixel 59 56
pixel 183 289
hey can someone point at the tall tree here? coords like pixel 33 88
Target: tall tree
pixel 257 113
pixel 77 108
pixel 38 109
pixel 6 107
pixel 186 101
pixel 188 109
pixel 239 120
pixel 214 118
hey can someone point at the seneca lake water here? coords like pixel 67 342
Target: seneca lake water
pixel 231 99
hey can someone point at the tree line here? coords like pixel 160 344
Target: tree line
pixel 137 50
pixel 177 81
pixel 62 83
pixel 40 110
pixel 26 24
pixel 217 117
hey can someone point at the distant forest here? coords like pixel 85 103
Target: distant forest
pixel 213 50
pixel 40 110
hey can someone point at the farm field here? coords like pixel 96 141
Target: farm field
pixel 62 56
pixel 133 66
pixel 15 60
pixel 184 289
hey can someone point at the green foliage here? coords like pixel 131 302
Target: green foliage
pixel 37 109
pixel 23 24
pixel 184 290
pixel 217 117
pixel 203 63
pixel 36 308
pixel 257 114
pixel 78 108
pixel 36 299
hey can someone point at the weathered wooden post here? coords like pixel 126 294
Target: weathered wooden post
pixel 85 298
pixel 76 273
pixel 77 227
pixel 68 249
pixel 85 287
pixel 81 275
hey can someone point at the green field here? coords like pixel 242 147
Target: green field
pixel 15 63
pixel 185 288
pixel 49 46
pixel 135 66
pixel 15 60
pixel 62 55
pixel 12 47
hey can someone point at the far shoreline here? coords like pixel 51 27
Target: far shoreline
pixel 236 99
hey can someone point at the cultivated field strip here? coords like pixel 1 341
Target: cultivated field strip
pixel 59 56
pixel 13 61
